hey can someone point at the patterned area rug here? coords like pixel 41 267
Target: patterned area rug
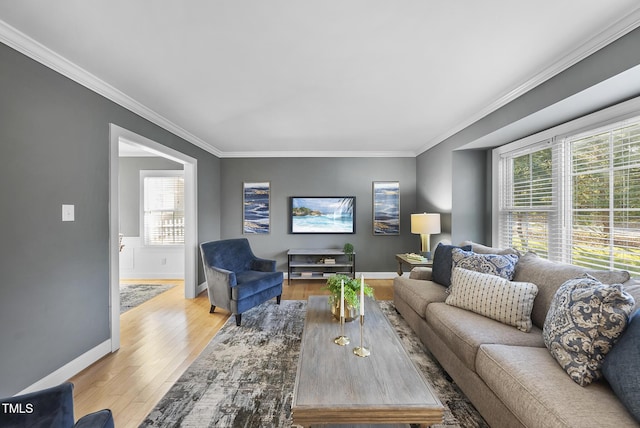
pixel 245 376
pixel 132 295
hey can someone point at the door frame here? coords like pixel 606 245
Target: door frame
pixel 117 133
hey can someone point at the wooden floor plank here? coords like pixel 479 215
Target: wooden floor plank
pixel 159 340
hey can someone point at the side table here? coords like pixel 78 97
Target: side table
pixel 403 259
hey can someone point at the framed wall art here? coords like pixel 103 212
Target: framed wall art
pixel 256 207
pixel 386 208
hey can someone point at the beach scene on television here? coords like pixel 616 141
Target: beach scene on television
pixel 256 208
pixel 322 215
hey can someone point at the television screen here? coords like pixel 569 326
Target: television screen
pixel 316 214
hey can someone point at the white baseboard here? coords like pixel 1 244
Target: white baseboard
pixel 70 369
pixel 370 275
pixel 200 288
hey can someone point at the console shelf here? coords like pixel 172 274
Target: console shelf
pixel 312 263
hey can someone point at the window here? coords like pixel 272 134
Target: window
pixel 576 198
pixel 162 207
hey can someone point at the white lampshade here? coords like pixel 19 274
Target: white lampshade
pixel 425 223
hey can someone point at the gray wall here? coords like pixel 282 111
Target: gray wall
pixel 437 164
pixel 54 141
pixel 129 182
pixel 322 177
pixel 469 209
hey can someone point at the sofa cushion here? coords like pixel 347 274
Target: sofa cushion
pixel 442 263
pixel 418 294
pixel 483 249
pixel 633 287
pixel 464 331
pixel 496 264
pixel 532 385
pixel 621 367
pixel 421 272
pixel 493 296
pixel 585 319
pixel 549 276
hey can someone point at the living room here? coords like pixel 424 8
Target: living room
pixel 55 131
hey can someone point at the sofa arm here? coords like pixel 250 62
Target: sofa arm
pixel 263 265
pixel 99 419
pixel 424 273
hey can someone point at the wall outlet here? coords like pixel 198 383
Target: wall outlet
pixel 68 212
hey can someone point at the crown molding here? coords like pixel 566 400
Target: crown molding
pixel 319 154
pixel 33 49
pixel 612 33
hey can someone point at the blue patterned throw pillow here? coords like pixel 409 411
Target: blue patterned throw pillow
pixel 621 367
pixel 585 319
pixel 502 265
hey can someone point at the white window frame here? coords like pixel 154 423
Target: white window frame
pixel 591 123
pixel 154 173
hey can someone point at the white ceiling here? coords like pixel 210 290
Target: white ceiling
pixel 313 77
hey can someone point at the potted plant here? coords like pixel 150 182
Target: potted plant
pixel 348 250
pixel 351 295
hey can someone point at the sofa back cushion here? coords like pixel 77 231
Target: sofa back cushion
pixel 549 276
pixel 483 249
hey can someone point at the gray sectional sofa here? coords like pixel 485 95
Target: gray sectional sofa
pixel 508 374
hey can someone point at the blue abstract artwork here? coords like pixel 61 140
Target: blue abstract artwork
pixel 256 212
pixel 386 208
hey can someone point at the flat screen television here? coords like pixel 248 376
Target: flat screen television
pixel 322 214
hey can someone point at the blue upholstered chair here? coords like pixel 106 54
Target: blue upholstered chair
pixel 237 280
pixel 50 408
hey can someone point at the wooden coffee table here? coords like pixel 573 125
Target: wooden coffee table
pixel 334 386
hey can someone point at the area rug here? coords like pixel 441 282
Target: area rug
pixel 245 375
pixel 132 295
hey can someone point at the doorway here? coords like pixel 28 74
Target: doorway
pixel 118 135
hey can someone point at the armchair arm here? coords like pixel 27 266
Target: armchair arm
pixel 220 276
pixel 263 265
pixel 99 419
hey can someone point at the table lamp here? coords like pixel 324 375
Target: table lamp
pixel 425 225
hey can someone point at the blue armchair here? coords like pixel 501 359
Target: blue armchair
pixel 237 280
pixel 50 408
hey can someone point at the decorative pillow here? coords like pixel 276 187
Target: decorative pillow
pixel 442 263
pixel 493 296
pixel 502 265
pixel 621 367
pixel 584 321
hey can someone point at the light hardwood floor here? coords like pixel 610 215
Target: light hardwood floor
pixel 159 340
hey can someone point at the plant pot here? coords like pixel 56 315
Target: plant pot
pixel 350 313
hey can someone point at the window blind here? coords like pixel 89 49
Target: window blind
pixel 575 199
pixel 163 209
pixel 605 207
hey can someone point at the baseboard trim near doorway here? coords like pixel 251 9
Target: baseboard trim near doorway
pixel 70 369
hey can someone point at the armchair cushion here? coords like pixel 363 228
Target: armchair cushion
pixel 49 408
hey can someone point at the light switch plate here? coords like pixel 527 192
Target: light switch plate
pixel 68 212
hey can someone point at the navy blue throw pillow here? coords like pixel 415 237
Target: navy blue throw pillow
pixel 442 263
pixel 621 367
